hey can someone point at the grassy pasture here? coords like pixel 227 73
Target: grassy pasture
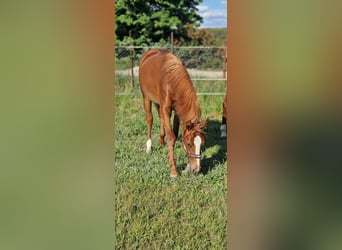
pixel 153 211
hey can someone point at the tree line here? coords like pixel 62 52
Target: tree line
pixel 153 21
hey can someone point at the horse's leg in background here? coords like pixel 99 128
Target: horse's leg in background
pixel 149 120
pixel 175 125
pixel 223 127
pixel 165 111
pixel 161 129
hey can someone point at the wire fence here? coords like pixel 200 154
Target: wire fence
pixel 204 64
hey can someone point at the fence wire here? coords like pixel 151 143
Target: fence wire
pixel 204 63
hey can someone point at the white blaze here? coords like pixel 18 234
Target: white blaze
pixel 148 145
pixel 197 142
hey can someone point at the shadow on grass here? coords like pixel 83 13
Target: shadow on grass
pixel 213 139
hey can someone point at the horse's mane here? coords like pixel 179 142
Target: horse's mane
pixel 185 101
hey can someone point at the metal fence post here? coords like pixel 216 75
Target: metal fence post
pixel 131 58
pixel 172 50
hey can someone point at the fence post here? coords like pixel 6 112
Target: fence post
pixel 172 42
pixel 225 61
pixel 131 58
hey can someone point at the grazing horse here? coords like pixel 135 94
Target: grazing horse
pixel 165 82
pixel 223 127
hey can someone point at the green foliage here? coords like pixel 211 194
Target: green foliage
pixel 152 21
pixel 219 35
pixel 153 211
pixel 208 59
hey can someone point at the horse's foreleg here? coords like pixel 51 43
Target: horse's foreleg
pixel 161 129
pixel 162 133
pixel 149 121
pixel 170 138
pixel 223 127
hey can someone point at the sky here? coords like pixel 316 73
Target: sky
pixel 214 13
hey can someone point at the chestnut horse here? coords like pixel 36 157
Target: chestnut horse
pixel 223 127
pixel 165 82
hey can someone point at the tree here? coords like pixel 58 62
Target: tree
pixel 153 21
pixel 198 36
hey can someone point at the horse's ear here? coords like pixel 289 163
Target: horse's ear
pixel 203 124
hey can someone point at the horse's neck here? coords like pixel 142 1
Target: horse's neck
pixel 188 111
pixel 184 96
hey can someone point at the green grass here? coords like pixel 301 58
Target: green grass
pixel 153 211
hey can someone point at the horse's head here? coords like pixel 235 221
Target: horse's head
pixel 193 140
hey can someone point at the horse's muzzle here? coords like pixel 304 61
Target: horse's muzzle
pixel 195 171
pixel 193 167
pixel 194 163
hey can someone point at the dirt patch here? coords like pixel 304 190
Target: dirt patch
pixel 194 73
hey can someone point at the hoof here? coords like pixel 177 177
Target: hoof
pixel 173 176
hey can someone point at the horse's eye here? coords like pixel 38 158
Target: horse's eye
pixel 189 145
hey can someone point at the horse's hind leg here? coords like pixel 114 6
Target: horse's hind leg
pixel 149 121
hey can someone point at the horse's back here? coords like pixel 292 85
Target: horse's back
pixel 152 73
pixel 154 61
pixel 150 55
pixel 161 74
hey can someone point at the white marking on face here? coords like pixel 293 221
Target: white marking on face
pixel 197 142
pixel 148 145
